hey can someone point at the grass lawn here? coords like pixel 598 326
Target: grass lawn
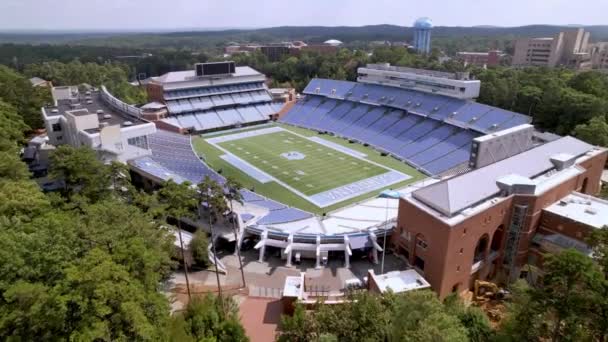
pixel 322 168
pixel 322 171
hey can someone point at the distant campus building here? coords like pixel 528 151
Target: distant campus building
pixel 569 48
pixel 482 59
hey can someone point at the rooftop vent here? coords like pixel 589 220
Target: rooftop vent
pixel 590 211
pixel 55 110
pixel 100 111
pixel 333 91
pixel 365 96
pixel 75 105
pixel 349 93
pixel 318 90
pixel 494 126
pixel 453 114
pixel 435 109
pixel 473 119
pixel 89 101
pixel 107 116
pixel 418 104
pixel 103 124
pixel 128 123
pixel 409 102
pixel 88 93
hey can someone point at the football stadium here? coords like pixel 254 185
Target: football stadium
pixel 323 172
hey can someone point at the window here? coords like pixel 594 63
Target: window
pixel 141 142
pixel 406 235
pixel 419 263
pixel 461 250
pixel 421 243
pixel 457 268
pixel 56 127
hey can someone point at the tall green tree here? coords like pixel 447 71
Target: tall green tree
pixel 234 195
pixel 179 202
pixel 211 195
pixel 85 177
pixel 594 132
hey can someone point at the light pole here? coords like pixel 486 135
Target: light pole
pixel 384 240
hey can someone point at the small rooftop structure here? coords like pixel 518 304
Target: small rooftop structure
pixel 39 82
pixel 294 286
pixel 396 281
pixel 588 210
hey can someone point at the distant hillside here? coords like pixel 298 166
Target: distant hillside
pixel 204 39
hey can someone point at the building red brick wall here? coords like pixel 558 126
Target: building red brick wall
pixel 155 92
pixel 450 250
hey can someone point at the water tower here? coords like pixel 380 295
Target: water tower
pixel 422 35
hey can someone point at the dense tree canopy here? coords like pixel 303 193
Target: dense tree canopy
pixel 88 263
pixel 115 76
pixel 412 316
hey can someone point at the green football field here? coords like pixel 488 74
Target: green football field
pixel 211 154
pixel 312 168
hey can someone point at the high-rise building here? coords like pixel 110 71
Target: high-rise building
pixel 570 48
pixel 422 35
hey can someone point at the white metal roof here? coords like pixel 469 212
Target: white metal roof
pixel 400 281
pixel 585 209
pixel 189 75
pixel 455 194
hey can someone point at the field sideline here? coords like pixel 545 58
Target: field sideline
pixel 322 168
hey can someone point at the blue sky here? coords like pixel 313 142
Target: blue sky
pixel 176 14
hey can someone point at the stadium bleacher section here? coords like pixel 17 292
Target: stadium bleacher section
pixel 210 108
pixel 430 132
pixel 173 158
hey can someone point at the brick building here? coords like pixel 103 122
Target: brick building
pixel 483 59
pixel 482 224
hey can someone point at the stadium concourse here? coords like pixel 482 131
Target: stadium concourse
pixel 427 121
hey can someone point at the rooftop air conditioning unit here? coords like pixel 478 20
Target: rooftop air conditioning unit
pixel 409 102
pixel 107 116
pixel 100 111
pixel 103 124
pixel 365 96
pixel 590 211
pixel 127 123
pixel 418 104
pixel 349 93
pixel 89 101
pixel 55 110
pixel 494 126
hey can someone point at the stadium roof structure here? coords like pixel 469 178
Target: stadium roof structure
pixel 190 75
pixel 453 195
